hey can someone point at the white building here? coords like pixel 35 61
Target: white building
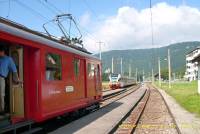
pixel 191 72
pixel 197 59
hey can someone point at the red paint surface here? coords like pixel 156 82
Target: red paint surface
pixel 46 99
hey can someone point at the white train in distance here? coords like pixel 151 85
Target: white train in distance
pixel 118 81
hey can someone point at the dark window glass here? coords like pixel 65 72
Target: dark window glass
pixel 88 68
pixel 53 67
pixel 76 67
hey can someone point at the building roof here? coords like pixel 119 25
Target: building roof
pixel 198 47
pixel 196 59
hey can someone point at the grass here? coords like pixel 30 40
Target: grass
pixel 185 93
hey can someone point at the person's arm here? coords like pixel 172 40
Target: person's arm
pixel 16 78
pixel 13 69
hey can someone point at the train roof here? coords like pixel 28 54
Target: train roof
pixel 16 29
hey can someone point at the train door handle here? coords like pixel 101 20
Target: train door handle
pixel 37 101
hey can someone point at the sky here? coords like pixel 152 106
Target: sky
pixel 120 24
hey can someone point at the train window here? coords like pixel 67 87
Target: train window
pixel 53 67
pixel 88 68
pixel 76 67
pixel 91 70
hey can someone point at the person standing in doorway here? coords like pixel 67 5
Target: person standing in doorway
pixel 7 65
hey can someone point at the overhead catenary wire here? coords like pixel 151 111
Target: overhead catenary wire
pixel 69 11
pixel 91 9
pixel 35 12
pixel 91 36
pixel 55 8
pixel 47 6
pixel 93 12
pixel 69 8
pixel 58 11
pixel 9 8
pixel 38 14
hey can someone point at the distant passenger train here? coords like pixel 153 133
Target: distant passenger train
pixel 118 81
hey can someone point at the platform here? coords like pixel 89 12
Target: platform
pixel 103 120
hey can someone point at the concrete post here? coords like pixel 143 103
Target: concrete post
pixel 136 75
pixel 121 67
pixel 198 78
pixel 143 77
pixel 169 68
pixel 112 65
pixel 130 71
pixel 152 76
pixel 159 72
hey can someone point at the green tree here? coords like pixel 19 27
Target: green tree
pixel 164 74
pixel 105 77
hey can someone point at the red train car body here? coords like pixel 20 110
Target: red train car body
pixel 57 78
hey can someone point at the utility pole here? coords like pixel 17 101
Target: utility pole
pixel 121 67
pixel 152 76
pixel 112 65
pixel 159 72
pixel 149 76
pixel 136 75
pixel 100 43
pixel 143 76
pixel 169 68
pixel 174 75
pixel 129 70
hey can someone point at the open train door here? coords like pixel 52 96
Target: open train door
pixel 17 90
pixel 97 80
pixel 79 74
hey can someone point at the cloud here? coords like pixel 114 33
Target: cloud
pixel 85 19
pixel 130 28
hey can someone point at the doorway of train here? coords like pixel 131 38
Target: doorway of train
pixel 79 73
pixel 14 92
pixel 97 79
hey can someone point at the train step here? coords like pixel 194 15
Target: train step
pixel 4 120
pixel 16 126
pixel 33 130
pixel 4 123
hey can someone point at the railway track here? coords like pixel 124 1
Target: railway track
pixel 110 93
pixel 150 115
pixel 118 95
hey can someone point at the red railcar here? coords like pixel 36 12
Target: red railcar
pixel 57 78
